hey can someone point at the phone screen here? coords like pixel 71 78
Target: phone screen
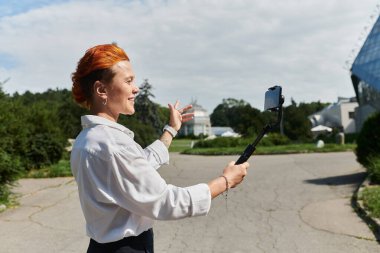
pixel 272 98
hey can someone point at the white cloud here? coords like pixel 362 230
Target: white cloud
pixel 207 50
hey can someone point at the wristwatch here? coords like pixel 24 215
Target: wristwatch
pixel 171 130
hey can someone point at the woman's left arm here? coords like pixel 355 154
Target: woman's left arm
pixel 177 117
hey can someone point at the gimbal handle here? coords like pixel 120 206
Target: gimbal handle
pixel 252 147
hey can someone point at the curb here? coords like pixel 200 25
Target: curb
pixel 373 223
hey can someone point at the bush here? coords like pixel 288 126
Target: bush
pixel 373 169
pixel 219 142
pixel 368 141
pixel 44 150
pixel 10 168
pixel 350 138
pixel 274 139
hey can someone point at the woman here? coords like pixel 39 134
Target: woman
pixel 120 191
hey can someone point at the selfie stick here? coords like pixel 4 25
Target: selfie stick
pixel 252 147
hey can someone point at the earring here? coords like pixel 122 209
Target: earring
pixel 104 102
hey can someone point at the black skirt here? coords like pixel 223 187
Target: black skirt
pixel 142 243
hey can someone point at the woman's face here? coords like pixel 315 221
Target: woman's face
pixel 121 91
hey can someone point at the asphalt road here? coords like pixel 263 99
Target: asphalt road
pixel 287 203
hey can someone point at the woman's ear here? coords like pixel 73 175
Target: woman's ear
pixel 100 90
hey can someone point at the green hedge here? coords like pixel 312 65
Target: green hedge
pixel 272 139
pixel 368 141
pixel 373 169
pixel 10 169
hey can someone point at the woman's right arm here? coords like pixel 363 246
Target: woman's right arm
pixel 233 174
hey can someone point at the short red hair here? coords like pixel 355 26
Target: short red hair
pixel 94 66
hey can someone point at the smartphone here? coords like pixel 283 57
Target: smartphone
pixel 273 102
pixel 273 98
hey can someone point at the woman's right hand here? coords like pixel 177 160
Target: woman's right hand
pixel 235 173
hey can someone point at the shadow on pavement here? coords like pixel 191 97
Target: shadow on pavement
pixel 356 178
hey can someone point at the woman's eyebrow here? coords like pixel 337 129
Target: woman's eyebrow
pixel 129 78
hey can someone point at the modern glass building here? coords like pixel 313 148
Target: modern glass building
pixel 365 76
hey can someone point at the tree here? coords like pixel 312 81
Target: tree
pixel 69 116
pixel 149 118
pixel 10 132
pixel 43 139
pixel 147 111
pixel 247 120
pixel 296 123
pixel 239 115
pixel 368 140
pixel 219 116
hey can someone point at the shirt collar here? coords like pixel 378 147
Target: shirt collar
pixel 93 120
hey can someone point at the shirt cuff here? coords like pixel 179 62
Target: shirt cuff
pixel 200 199
pixel 159 148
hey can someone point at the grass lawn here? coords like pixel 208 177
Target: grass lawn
pixel 371 200
pixel 61 169
pixel 179 145
pixel 263 150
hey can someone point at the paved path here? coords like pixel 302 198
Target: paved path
pixel 288 203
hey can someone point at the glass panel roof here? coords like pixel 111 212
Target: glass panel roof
pixel 367 63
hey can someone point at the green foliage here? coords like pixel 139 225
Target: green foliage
pixel 12 143
pixel 373 169
pixel 147 112
pixel 371 200
pixel 35 127
pixel 249 121
pixel 368 140
pixel 60 169
pixel 350 138
pixel 69 113
pixel 10 168
pixel 45 136
pixel 296 124
pixel 219 142
pixel 221 114
pixel 239 115
pixel 34 132
pixel 274 139
pixel 270 150
pixel 179 145
pixel 145 134
pixel 149 119
pixel 43 150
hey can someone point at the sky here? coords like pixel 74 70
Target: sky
pixel 192 50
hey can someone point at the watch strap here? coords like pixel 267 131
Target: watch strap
pixel 171 130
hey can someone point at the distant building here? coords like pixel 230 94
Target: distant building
pixel 224 132
pixel 365 76
pixel 339 115
pixel 199 125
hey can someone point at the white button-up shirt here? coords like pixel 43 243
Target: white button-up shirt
pixel 120 191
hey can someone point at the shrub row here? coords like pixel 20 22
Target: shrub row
pixel 32 135
pixel 368 147
pixel 368 140
pixel 272 139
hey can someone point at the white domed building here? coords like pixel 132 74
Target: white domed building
pixel 199 125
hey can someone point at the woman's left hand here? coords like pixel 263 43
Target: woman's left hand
pixel 178 116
